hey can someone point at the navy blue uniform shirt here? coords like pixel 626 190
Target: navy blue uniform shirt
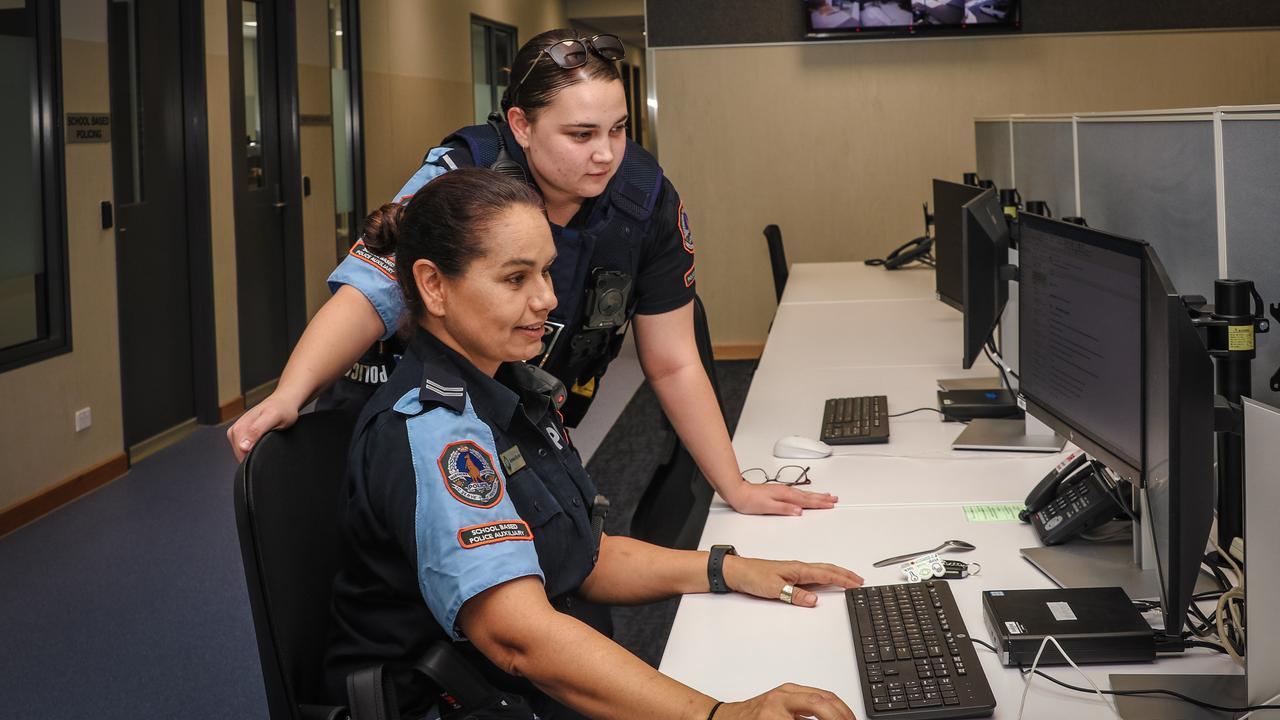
pixel 457 482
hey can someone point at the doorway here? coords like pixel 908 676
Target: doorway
pixel 268 208
pixel 160 179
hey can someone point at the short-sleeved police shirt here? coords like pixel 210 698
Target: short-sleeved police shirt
pixel 664 278
pixel 457 482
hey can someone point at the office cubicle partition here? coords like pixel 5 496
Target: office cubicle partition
pixel 1200 185
pixel 1045 162
pixel 1250 160
pixel 995 151
pixel 1152 178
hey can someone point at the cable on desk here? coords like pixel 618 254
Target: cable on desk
pixel 920 409
pixel 1153 691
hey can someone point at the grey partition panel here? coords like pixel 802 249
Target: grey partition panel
pixel 1044 164
pixel 1154 181
pixel 1251 162
pixel 991 140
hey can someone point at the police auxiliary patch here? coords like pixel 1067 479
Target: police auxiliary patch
pixel 385 264
pixel 494 532
pixel 469 475
pixel 682 221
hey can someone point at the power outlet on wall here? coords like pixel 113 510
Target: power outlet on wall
pixel 84 418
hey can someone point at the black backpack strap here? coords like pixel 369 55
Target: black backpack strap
pixel 481 142
pixel 636 193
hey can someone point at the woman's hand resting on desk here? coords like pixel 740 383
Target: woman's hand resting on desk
pixel 271 414
pixel 768 578
pixel 774 499
pixel 787 702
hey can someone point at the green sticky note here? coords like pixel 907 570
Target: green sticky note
pixel 1005 512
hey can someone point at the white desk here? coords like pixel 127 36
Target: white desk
pixel 873 333
pixel 734 647
pixel 844 329
pixel 855 282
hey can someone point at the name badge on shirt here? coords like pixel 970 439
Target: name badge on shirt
pixel 512 460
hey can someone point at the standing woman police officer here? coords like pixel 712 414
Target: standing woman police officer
pixel 468 512
pixel 625 254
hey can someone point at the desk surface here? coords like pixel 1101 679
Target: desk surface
pixel 734 647
pixel 872 333
pixel 855 282
pixel 844 329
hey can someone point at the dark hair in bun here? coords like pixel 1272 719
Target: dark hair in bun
pixel 381 227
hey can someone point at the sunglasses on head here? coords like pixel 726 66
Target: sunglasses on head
pixel 572 53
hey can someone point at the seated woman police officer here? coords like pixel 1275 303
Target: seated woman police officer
pixel 468 510
pixel 621 234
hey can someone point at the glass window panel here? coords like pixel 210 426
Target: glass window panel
pixel 343 166
pixel 126 102
pixel 252 100
pixel 22 249
pixel 480 72
pixel 504 52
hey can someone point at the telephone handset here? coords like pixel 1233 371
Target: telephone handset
pixel 914 250
pixel 1073 498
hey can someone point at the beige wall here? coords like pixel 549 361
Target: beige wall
pixel 316 145
pixel 38 444
pixel 837 142
pixel 222 199
pixel 417 76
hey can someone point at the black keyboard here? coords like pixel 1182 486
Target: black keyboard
pixel 915 659
pixel 856 420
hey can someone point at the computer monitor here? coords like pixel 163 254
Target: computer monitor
pixel 1178 419
pixel 948 223
pixel 1080 306
pixel 984 250
pixel 1111 359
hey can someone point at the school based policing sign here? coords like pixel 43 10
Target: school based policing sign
pixel 88 128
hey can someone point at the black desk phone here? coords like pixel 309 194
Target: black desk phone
pixel 1073 498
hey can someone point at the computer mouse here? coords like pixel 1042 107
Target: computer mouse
pixel 798 446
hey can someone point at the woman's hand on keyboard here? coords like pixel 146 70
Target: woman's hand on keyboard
pixel 768 578
pixel 774 499
pixel 787 702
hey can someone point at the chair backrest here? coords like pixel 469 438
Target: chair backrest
pixel 288 514
pixel 674 506
pixel 777 258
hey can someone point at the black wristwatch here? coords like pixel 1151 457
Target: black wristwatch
pixel 715 568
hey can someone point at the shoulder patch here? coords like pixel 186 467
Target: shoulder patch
pixel 384 264
pixel 686 234
pixel 469 475
pixel 494 532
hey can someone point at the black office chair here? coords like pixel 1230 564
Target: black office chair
pixel 288 511
pixel 777 258
pixel 674 506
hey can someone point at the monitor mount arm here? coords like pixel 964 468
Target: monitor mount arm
pixel 1275 377
pixel 1230 326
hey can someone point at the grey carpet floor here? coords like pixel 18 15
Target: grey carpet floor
pixel 622 467
pixel 131 601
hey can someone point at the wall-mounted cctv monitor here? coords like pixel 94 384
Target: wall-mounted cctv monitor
pixel 853 18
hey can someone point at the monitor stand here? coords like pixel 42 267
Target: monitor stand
pixel 1128 564
pixel 969 383
pixel 1026 435
pixel 1093 564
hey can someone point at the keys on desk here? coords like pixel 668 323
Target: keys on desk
pixel 914 655
pixel 856 420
